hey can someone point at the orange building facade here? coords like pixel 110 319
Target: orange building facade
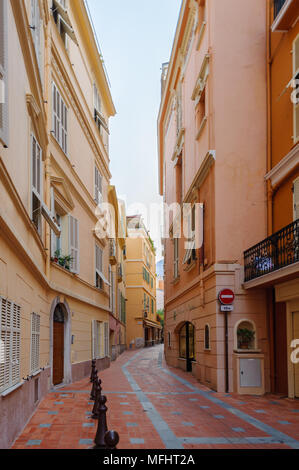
pixel 272 264
pixel 212 138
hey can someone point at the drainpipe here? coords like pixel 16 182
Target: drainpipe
pixel 269 130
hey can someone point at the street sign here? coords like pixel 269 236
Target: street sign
pixel 226 308
pixel 226 297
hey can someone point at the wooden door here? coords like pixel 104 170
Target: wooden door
pixel 58 353
pixel 296 366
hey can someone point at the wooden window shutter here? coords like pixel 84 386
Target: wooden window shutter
pixel 296 198
pixel 35 341
pixel 74 244
pixel 3 73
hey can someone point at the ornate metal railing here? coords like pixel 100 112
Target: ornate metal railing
pixel 275 252
pixel 278 4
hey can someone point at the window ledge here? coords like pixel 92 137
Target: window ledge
pixel 190 266
pixel 176 280
pixel 247 351
pixel 207 349
pixel 12 389
pixel 201 127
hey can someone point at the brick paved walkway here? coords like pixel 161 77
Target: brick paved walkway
pixel 153 406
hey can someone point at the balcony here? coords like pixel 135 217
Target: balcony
pixel 280 250
pixel 119 272
pixel 285 15
pixel 112 251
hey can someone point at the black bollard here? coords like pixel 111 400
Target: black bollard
pixel 93 368
pixel 95 410
pixel 94 384
pixel 111 439
pixel 102 424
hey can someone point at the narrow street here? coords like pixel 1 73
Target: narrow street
pixel 153 406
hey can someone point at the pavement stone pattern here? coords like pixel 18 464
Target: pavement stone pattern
pixel 138 385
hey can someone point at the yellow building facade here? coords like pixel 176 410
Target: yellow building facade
pixel 143 329
pixel 54 176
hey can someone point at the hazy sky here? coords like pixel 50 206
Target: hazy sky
pixel 135 37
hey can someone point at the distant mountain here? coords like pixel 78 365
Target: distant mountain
pixel 160 268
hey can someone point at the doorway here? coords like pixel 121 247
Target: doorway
pixel 296 366
pixel 58 345
pixel 280 345
pixel 186 339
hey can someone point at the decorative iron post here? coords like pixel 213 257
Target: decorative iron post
pixel 111 439
pixel 93 368
pixel 94 384
pixel 102 424
pixel 95 410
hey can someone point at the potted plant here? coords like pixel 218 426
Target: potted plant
pixel 245 337
pixel 56 256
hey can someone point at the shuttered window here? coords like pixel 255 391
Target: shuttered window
pixel 176 258
pixel 106 339
pixel 36 29
pixel 36 178
pixel 100 339
pixel 3 73
pixel 74 244
pixel 35 341
pixel 10 336
pixel 98 187
pixel 97 99
pixel 296 91
pixel 59 119
pixel 99 267
pixel 296 198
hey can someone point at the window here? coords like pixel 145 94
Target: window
pixel 190 253
pixel 99 268
pixel 74 244
pixel 179 117
pixel 63 21
pixel 35 27
pixel 201 114
pixel 296 91
pixel 100 339
pixel 296 198
pixel 35 341
pixel 153 310
pixel 169 339
pixel 59 119
pixel 3 74
pixel 36 189
pixel 97 100
pixel 176 258
pixel 98 187
pixel 186 341
pixel 207 337
pixel 10 335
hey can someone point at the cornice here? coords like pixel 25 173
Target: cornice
pixel 289 163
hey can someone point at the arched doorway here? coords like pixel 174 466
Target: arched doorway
pixel 58 344
pixel 186 344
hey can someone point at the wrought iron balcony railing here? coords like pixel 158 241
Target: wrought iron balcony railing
pixel 278 4
pixel 275 252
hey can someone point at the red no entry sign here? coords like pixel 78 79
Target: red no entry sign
pixel 226 296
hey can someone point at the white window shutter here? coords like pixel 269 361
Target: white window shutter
pixel 3 73
pixel 53 236
pixel 98 187
pixel 74 244
pixel 93 339
pixel 106 339
pixel 10 338
pixel 35 341
pixel 296 198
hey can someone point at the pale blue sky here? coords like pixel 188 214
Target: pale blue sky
pixel 135 37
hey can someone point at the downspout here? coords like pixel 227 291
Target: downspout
pixel 269 129
pixel 47 97
pixel 270 292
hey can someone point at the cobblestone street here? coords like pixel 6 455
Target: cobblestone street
pixel 153 406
